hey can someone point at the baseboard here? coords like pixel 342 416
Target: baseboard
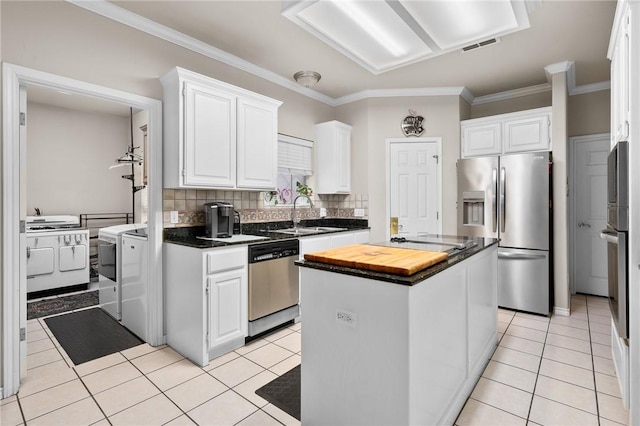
pixel 563 312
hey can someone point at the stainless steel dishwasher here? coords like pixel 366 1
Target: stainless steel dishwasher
pixel 273 284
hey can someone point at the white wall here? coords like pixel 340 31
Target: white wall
pixel 68 158
pixel 376 120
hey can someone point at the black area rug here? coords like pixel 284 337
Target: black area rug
pixel 90 334
pixel 284 392
pixel 44 308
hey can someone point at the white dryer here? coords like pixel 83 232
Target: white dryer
pixel 110 267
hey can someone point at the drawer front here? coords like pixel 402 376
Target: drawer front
pixel 226 259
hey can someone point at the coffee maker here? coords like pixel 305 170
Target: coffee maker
pixel 219 217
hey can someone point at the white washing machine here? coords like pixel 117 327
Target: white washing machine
pixel 134 282
pixel 110 267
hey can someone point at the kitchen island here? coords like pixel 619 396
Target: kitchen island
pixel 381 348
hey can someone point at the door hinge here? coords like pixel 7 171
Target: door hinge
pixel 23 227
pixel 437 215
pixel 23 334
pixel 23 118
pixel 183 172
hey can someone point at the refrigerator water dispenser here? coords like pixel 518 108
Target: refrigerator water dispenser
pixel 473 208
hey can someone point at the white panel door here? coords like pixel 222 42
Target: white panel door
pixel 590 251
pixel 209 137
pixel 257 158
pixel 414 187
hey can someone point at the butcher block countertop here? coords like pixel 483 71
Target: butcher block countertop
pixel 390 260
pixel 395 265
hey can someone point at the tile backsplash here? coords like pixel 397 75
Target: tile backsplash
pixel 189 204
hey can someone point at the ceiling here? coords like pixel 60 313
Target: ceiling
pixel 256 32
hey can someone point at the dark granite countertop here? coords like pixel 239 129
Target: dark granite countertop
pixel 481 244
pixel 188 236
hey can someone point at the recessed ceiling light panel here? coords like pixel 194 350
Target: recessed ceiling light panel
pixel 369 32
pixel 382 35
pixel 452 24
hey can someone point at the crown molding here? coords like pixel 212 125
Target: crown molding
pixel 125 17
pixel 401 93
pixel 590 88
pixel 511 94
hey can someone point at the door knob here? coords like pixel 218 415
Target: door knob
pixel 584 225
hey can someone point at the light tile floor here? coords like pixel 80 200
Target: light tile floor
pixel 550 371
pixel 544 371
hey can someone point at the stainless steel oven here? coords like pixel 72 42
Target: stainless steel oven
pixel 616 236
pixel 273 284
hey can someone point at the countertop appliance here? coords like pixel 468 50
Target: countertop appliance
pixel 134 282
pixel 273 284
pixel 219 219
pixel 110 267
pixel 57 252
pixel 616 236
pixel 509 197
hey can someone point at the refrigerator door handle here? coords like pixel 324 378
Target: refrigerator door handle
pixel 503 177
pixel 517 256
pixel 494 199
pixel 609 237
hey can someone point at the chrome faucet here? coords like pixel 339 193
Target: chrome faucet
pixel 293 213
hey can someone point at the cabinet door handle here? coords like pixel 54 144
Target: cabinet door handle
pixel 584 225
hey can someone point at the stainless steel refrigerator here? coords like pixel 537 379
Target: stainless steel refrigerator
pixel 509 197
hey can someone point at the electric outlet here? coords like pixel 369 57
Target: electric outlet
pixel 347 317
pixel 174 216
pixel 323 212
pixel 358 212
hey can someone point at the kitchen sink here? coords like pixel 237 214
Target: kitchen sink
pixel 302 230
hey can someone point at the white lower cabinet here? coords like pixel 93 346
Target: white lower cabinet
pixel 206 300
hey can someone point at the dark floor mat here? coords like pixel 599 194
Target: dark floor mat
pixel 90 334
pixel 44 308
pixel 284 392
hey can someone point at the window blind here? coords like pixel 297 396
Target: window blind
pixel 295 155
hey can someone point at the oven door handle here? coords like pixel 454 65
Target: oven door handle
pixel 609 237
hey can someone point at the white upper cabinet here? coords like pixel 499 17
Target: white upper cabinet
pixel 527 134
pixel 620 74
pixel 217 135
pixel 481 138
pixel 209 137
pixel 257 145
pixel 523 131
pixel 333 158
